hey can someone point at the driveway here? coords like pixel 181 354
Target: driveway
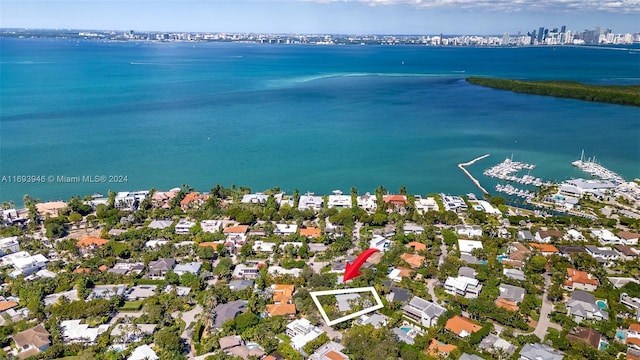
pixel 547 307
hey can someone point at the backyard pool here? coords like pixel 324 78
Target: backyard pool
pixel 602 304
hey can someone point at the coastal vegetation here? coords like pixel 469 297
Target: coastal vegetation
pixel 611 94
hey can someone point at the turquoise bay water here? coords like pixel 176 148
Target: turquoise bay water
pixel 315 118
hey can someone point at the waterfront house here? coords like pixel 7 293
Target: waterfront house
pixel 31 342
pixel 582 306
pixel 162 199
pixel 453 203
pixel 395 200
pixel 425 205
pixel 338 200
pixel 130 200
pixel 310 201
pixel 546 236
pixel 193 200
pixel 580 280
pixel 257 198
pixel 462 326
pixel 423 312
pixel 367 202
pixel 539 351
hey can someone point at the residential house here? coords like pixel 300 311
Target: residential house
pixel 396 294
pixel 567 250
pixel 228 311
pixel 416 246
pixel 376 320
pixel 462 326
pixel 6 305
pixel 310 232
pixel 466 356
pixel 514 274
pixel 582 306
pixel 626 253
pixel 467 271
pixel 379 242
pixel 282 300
pixel 183 226
pixel 545 236
pixel 106 292
pixel 586 335
pixel 140 292
pixel 633 336
pixel 463 286
pixel 453 203
pixel 410 228
pixel 23 263
pixel 414 260
pixel 539 351
pixel 425 313
pixel 310 201
pixel 338 200
pixel 155 243
pixel 397 274
pixel 493 343
pixel 126 200
pixel 395 200
pixel 605 237
pixel 9 245
pixel 544 249
pixel 127 268
pixel 580 280
pixel 525 236
pixel 285 229
pixel 263 246
pixel 632 303
pixel 32 341
pixel 468 231
pixel 193 200
pixel 160 224
pixel 425 205
pixel 143 352
pixel 211 226
pixel 236 236
pixel 302 332
pixel 130 333
pixel 602 254
pixel 574 235
pixel 518 254
pixel 439 349
pixel 89 244
pixel 75 332
pixel 628 238
pixel 246 271
pixel 239 285
pixel 466 247
pixel 329 351
pixel 367 202
pixel 510 296
pixel 257 198
pixel 158 269
pixel 162 199
pixel 191 267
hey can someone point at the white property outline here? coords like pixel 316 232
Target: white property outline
pixel 315 294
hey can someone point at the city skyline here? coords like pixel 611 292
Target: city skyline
pixel 324 16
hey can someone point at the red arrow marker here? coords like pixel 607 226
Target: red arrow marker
pixel 351 270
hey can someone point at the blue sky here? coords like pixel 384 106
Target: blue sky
pixel 324 16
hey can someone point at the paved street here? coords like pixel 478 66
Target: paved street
pixel 547 307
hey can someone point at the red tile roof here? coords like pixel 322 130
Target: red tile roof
pixel 417 246
pixel 581 277
pixel 414 260
pixel 396 199
pixel 281 309
pixel 507 304
pixel 547 248
pixel 311 232
pixel 458 324
pixel 240 229
pixel 6 305
pixel 89 241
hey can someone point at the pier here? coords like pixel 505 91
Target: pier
pixel 475 181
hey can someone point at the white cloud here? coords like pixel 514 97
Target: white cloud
pixel 618 6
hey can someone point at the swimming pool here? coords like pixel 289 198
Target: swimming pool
pixel 621 335
pixel 405 329
pixel 601 304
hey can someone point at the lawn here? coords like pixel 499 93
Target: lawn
pixel 132 305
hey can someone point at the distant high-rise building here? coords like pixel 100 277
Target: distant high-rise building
pixel 563 28
pixel 541 34
pixel 505 39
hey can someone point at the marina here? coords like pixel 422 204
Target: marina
pixel 508 169
pixel 591 167
pixel 511 190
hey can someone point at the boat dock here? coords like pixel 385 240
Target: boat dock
pixel 464 170
pixel 506 171
pixel 594 169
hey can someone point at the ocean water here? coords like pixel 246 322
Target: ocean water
pixel 313 118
